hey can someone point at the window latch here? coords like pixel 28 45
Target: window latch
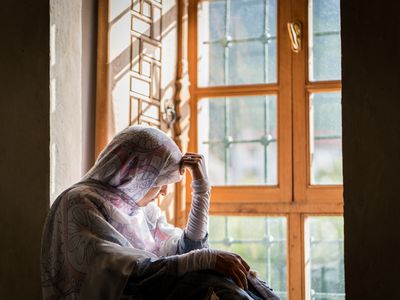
pixel 294 29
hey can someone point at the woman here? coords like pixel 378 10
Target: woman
pixel 104 237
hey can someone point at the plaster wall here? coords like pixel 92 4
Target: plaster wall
pixel 24 145
pixel 65 94
pixel 371 147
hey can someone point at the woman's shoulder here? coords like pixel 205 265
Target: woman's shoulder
pixel 79 195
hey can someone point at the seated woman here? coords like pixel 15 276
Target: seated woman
pixel 104 237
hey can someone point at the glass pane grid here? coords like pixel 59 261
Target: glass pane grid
pixel 238 136
pixel 324 258
pixel 235 39
pixel 324 40
pixel 261 241
pixel 326 138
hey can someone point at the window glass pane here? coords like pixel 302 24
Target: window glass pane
pixel 324 259
pixel 244 60
pixel 238 137
pixel 246 18
pixel 216 59
pixel 324 40
pixel 326 138
pixel 261 241
pixel 236 42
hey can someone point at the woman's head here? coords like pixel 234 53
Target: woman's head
pixel 152 194
pixel 136 160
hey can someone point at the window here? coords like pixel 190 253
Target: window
pixel 266 112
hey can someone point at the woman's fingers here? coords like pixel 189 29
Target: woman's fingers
pixel 243 280
pixel 244 263
pixel 190 154
pixel 188 162
pixel 232 265
pixel 193 154
pixel 195 163
pixel 239 276
pixel 192 159
pixel 236 278
pixel 244 267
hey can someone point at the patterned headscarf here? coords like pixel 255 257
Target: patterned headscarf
pixel 95 232
pixel 137 159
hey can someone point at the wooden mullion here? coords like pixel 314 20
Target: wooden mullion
pixel 236 90
pixel 295 261
pixel 192 58
pixel 328 194
pixel 248 194
pixel 300 71
pixel 285 118
pixel 324 86
pixel 248 209
pixel 102 74
pixel 192 70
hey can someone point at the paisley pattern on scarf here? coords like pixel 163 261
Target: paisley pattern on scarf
pixel 95 233
pixel 137 159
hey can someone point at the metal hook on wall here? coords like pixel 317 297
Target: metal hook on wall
pixel 169 115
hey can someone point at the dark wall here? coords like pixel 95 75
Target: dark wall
pixel 371 147
pixel 24 146
pixel 25 135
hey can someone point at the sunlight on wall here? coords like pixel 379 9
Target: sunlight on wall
pixel 65 94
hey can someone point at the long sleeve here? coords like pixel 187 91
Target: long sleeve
pixel 197 225
pixel 170 240
pixel 157 279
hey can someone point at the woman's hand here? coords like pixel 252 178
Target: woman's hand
pixel 225 263
pixel 195 163
pixel 232 265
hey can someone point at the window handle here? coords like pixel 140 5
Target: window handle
pixel 294 29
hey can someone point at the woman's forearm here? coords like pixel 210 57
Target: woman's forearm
pixel 197 225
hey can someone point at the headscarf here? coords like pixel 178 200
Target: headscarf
pixel 96 233
pixel 137 159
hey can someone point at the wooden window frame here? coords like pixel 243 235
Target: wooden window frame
pixel 281 193
pixel 294 197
